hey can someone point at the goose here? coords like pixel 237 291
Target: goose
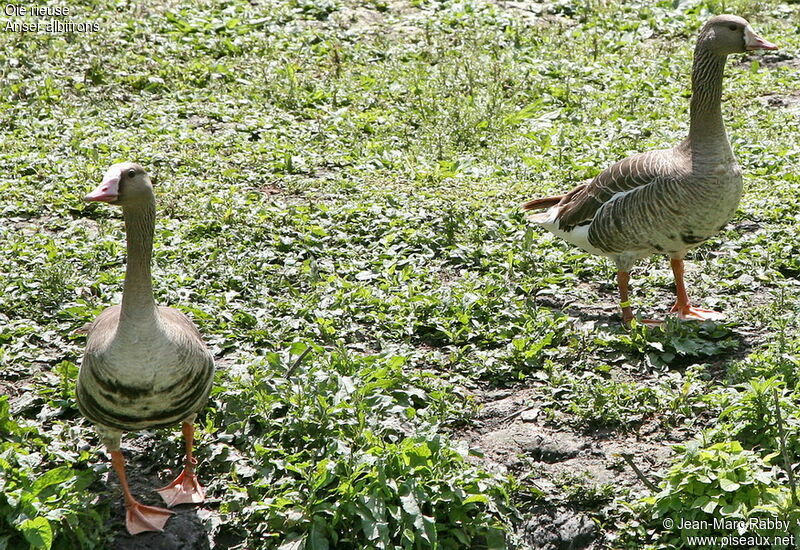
pixel 144 366
pixel 664 201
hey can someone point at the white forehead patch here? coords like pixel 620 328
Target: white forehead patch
pixel 113 173
pixel 750 36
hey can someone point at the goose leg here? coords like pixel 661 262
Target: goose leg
pixel 185 489
pixel 682 306
pixel 623 277
pixel 138 517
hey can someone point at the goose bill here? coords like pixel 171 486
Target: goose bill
pixel 754 42
pixel 108 191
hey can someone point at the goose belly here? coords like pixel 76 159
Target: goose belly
pixel 132 394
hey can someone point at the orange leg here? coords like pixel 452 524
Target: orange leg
pixel 185 489
pixel 682 306
pixel 623 278
pixel 138 517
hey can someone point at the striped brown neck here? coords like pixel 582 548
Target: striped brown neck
pixel 138 304
pixel 705 110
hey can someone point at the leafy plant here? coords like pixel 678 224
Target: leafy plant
pixel 749 416
pixel 338 465
pixel 609 403
pixel 42 506
pixel 678 343
pixel 718 489
pixel 584 492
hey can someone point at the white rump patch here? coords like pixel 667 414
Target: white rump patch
pixel 578 235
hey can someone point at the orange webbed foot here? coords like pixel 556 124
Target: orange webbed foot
pixel 691 313
pixel 140 518
pixel 186 489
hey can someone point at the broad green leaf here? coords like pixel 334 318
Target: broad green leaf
pixel 53 477
pixel 318 539
pixel 710 506
pixel 476 498
pixel 728 485
pixel 495 539
pixel 37 532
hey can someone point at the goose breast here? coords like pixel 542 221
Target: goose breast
pixel 154 377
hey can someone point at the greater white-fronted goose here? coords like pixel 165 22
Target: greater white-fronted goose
pixel 145 366
pixel 667 201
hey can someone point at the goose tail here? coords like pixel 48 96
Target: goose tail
pixel 541 204
pixel 548 204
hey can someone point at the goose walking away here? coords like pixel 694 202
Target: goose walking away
pixel 145 366
pixel 666 201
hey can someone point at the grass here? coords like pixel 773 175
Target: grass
pixel 344 177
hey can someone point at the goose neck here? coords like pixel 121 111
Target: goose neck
pixel 138 303
pixel 705 109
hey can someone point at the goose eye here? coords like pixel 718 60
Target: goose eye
pixel 131 173
pixel 733 28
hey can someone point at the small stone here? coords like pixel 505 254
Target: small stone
pixel 551 448
pixel 552 528
pixel 577 531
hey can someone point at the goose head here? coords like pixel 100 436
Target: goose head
pixel 124 184
pixel 728 34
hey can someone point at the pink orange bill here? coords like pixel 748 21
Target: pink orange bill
pixel 754 42
pixel 108 191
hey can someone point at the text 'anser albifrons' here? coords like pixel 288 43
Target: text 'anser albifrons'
pixel 667 201
pixel 145 366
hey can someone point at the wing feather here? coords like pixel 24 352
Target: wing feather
pixel 583 202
